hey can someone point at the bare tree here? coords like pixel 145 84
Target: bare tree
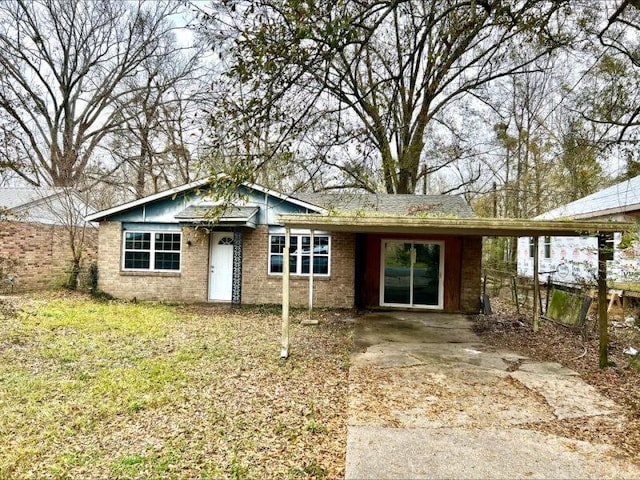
pixel 379 72
pixel 69 208
pixel 159 122
pixel 610 99
pixel 66 72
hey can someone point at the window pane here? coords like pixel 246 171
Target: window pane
pixel 276 264
pixel 547 247
pixel 321 245
pixel 305 264
pixel 609 246
pixel 167 241
pixel 167 261
pixel 531 252
pixel 277 244
pixel 321 265
pixel 136 260
pixel 137 241
pixel 294 244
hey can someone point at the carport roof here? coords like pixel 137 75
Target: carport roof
pixel 490 227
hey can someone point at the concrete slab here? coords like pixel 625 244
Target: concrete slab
pixel 428 400
pixel 569 396
pixel 391 453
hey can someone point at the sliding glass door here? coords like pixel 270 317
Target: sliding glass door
pixel 411 274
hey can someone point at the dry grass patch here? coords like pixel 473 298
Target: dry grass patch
pixel 118 390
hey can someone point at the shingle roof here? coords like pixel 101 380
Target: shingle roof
pixel 11 198
pixel 619 198
pixel 230 214
pixel 46 205
pixel 399 204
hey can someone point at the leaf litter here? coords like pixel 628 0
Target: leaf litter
pixel 577 349
pixel 118 390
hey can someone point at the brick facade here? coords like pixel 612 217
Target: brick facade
pixel 190 284
pixel 258 286
pixel 471 268
pixel 37 256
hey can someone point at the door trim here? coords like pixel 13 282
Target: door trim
pixel 440 305
pixel 213 241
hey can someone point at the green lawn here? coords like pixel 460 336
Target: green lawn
pixel 120 390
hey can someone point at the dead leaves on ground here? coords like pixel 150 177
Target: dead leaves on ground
pixel 577 350
pixel 204 395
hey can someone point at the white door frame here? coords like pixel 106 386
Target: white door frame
pixel 226 274
pixel 440 304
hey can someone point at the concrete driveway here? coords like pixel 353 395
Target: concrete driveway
pixel 428 400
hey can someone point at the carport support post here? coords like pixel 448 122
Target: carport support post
pixel 603 320
pixel 311 248
pixel 284 351
pixel 536 287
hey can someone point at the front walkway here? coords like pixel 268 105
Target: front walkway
pixel 428 400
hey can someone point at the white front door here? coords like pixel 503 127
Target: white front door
pixel 221 266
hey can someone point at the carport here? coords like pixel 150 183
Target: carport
pixel 462 228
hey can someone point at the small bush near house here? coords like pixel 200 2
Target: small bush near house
pixel 116 390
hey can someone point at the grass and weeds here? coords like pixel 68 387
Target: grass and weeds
pixel 92 389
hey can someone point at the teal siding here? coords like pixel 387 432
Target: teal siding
pixel 162 212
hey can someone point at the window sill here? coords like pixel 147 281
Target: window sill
pixel 301 277
pixel 151 273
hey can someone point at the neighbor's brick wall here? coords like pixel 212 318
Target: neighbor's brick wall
pixel 190 284
pixel 471 268
pixel 38 256
pixel 335 291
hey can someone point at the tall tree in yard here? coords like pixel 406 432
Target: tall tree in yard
pixel 611 99
pixel 154 144
pixel 66 69
pixel 381 73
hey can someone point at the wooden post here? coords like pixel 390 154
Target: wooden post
pixel 603 320
pixel 284 351
pixel 536 287
pixel 311 240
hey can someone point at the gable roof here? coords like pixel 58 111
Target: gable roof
pixel 195 185
pixel 620 198
pixel 47 205
pixel 393 204
pixel 14 198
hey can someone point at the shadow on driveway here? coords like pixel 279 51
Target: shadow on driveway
pixel 428 399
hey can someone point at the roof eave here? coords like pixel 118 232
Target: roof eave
pixel 98 216
pixel 452 226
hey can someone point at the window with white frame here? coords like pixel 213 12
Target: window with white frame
pixel 531 247
pixel 609 247
pixel 154 251
pixel 300 254
pixel 547 247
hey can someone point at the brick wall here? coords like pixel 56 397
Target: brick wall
pixel 471 268
pixel 335 291
pixel 190 284
pixel 38 256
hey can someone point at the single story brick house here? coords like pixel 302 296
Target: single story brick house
pixel 166 247
pixel 37 227
pixel 365 250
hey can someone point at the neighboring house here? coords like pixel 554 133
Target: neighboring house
pixel 167 247
pixel 574 260
pixel 37 226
